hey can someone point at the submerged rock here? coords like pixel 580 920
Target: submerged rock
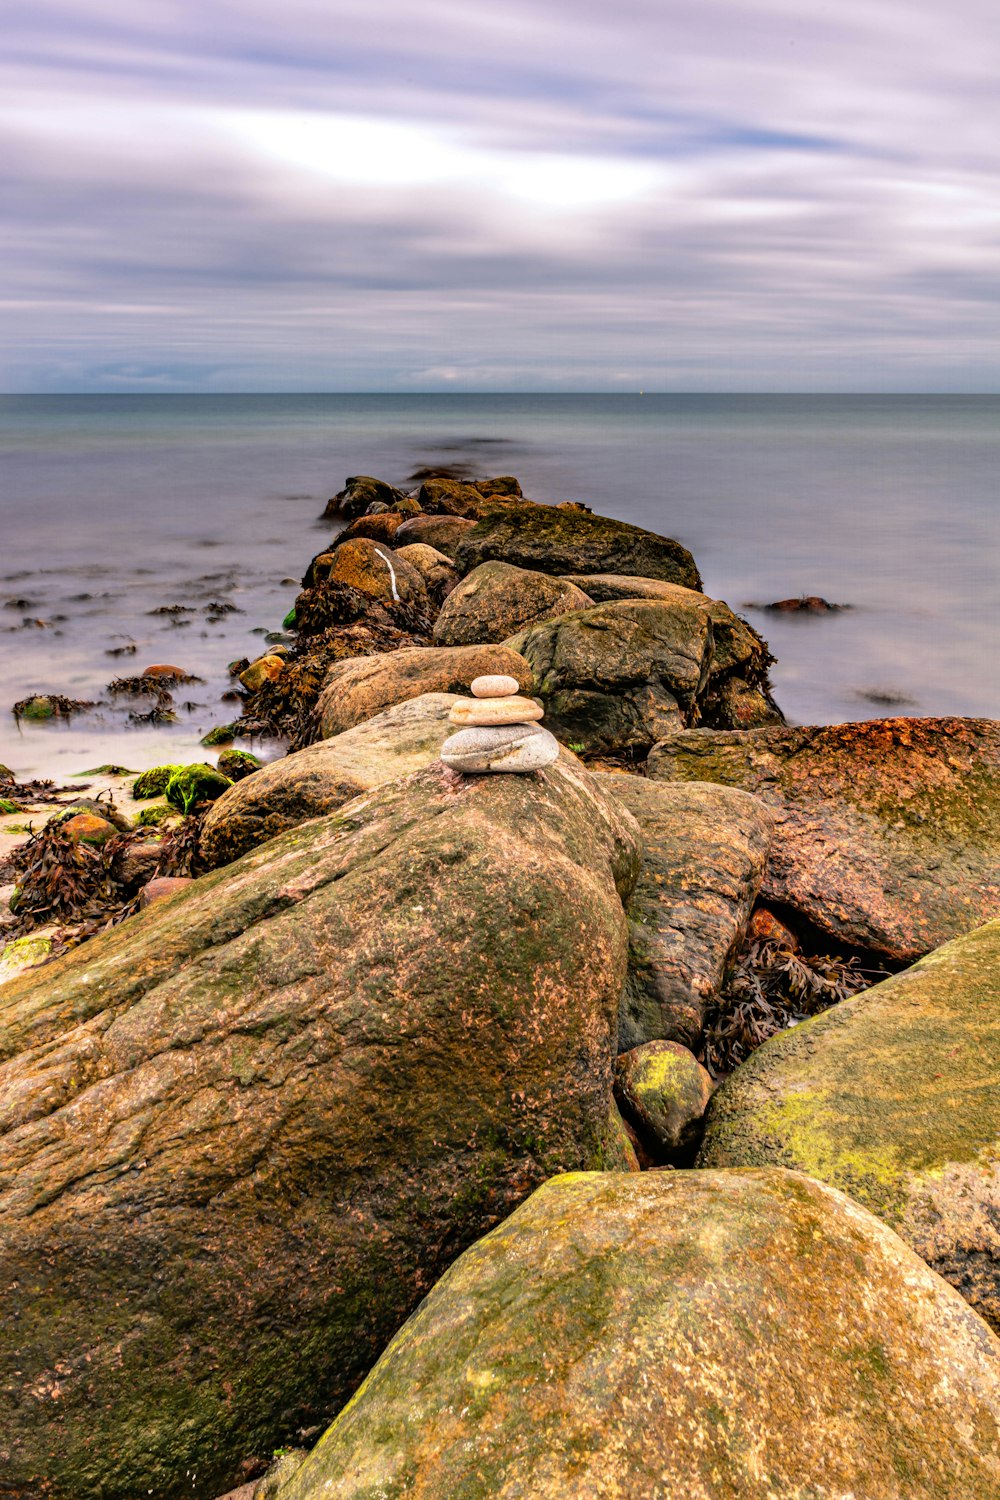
pixel 359 688
pixel 887 831
pixel 245 1133
pixel 695 1334
pixel 894 1097
pixel 704 854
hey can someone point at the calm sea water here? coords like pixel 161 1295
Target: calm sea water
pixel 113 506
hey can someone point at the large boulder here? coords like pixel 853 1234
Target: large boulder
pixel 894 1097
pixel 434 568
pixel 557 539
pixel 457 497
pixel 322 777
pixel 618 677
pixel 496 600
pixel 704 853
pixel 443 533
pixel 244 1133
pixel 361 687
pixel 698 1335
pixel 887 832
pixel 373 568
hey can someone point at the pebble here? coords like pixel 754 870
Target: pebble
pixel 494 687
pixel 515 748
pixel 484 711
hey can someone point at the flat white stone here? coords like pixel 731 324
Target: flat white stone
pixel 516 748
pixel 483 711
pixel 494 687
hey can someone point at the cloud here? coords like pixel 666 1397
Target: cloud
pixel 728 193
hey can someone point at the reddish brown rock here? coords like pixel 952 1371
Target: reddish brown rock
pixel 441 532
pixel 87 828
pixel 161 887
pixel 362 687
pixel 887 831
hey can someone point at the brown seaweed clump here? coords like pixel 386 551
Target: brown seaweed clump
pixel 770 988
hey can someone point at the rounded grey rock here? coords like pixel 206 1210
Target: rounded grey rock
pixel 503 747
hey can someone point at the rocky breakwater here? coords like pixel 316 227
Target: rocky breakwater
pixel 242 1134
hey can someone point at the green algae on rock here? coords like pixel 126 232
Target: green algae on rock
pixel 152 783
pixel 894 1097
pixel 190 785
pixel 244 1133
pixel 663 1091
pixel 711 1335
pixel 887 832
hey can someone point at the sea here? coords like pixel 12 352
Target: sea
pixel 117 508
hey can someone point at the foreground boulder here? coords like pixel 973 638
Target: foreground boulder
pixel 244 1133
pixel 705 1335
pixel 361 687
pixel 496 600
pixel 322 777
pixel 887 832
pixel 704 854
pixel 554 539
pixel 894 1097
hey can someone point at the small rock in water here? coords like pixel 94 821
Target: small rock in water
pixel 502 747
pixel 494 687
pixel 484 711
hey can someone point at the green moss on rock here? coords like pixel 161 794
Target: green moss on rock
pixel 698 1334
pixel 190 785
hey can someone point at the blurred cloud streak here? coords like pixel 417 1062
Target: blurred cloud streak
pixel 710 194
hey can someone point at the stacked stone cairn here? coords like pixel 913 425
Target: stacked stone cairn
pixel 498 731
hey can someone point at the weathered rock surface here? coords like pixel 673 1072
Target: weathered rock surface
pixel 441 532
pixel 381 527
pixel 358 493
pixel 663 1091
pixel 434 568
pixel 887 832
pixel 496 600
pixel 704 854
pixel 322 777
pixel 456 497
pixel 514 748
pixel 245 1133
pixel 551 539
pixel 373 568
pixel 894 1097
pixel 361 687
pixel 696 1335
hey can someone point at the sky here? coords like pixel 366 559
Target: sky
pixel 425 195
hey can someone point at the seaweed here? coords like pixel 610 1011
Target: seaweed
pixel 769 989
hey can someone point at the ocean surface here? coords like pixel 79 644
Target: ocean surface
pixel 114 507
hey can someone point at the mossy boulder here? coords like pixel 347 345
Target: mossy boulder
pixel 704 854
pixel 556 539
pixel 618 677
pixel 238 764
pixel 496 600
pixel 887 832
pixel 360 492
pixel 322 777
pixel 374 569
pixel 16 956
pixel 152 783
pixel 190 785
pixel 443 533
pixel 894 1097
pixel 457 497
pixel 663 1091
pixel 88 828
pixel 267 668
pixel 361 687
pixel 245 1132
pixel 436 570
pixel 692 1334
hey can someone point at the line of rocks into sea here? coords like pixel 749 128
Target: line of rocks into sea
pixel 404 1090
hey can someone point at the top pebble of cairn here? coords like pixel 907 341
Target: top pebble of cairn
pixel 499 731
